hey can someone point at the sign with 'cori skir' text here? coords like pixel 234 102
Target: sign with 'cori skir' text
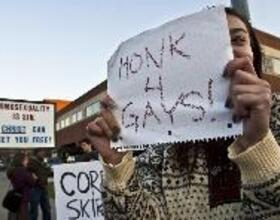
pixel 77 191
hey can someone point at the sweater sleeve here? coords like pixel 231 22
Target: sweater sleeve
pixel 260 174
pixel 133 188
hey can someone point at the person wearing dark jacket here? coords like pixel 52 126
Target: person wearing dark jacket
pixel 39 193
pixel 89 153
pixel 22 181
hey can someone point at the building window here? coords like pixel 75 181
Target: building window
pixel 276 65
pixel 67 121
pixel 57 126
pixel 62 123
pixel 74 118
pixel 267 64
pixel 93 109
pixel 79 116
pixel 271 64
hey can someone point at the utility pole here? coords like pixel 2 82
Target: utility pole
pixel 241 6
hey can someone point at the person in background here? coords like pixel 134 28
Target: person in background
pixel 39 193
pixel 22 181
pixel 88 151
pixel 237 178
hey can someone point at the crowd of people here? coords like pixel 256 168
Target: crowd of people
pixel 28 175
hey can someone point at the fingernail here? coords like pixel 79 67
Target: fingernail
pixel 116 129
pixel 228 103
pixel 111 103
pixel 115 139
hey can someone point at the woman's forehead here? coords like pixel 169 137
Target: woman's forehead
pixel 235 24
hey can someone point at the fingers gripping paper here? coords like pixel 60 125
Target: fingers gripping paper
pixel 167 82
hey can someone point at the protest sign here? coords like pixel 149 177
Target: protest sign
pixel 167 82
pixel 77 191
pixel 26 124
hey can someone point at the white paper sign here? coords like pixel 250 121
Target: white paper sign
pixel 77 191
pixel 26 124
pixel 167 82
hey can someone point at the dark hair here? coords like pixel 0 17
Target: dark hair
pixel 18 159
pixel 253 39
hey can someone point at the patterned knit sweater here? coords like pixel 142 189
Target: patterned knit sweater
pixel 155 185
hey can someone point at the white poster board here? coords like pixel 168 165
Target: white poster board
pixel 26 124
pixel 167 82
pixel 77 191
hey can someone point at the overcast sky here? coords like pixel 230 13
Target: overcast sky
pixel 59 48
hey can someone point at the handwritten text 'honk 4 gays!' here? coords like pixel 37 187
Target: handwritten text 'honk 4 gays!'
pixel 139 61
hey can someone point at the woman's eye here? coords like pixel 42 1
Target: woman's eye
pixel 238 40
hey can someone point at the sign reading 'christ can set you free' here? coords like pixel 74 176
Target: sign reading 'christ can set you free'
pixel 26 124
pixel 167 82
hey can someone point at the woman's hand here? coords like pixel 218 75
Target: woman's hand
pixel 103 129
pixel 250 100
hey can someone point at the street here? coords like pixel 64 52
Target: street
pixel 4 186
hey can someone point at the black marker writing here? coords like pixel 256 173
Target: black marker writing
pixel 210 93
pixel 149 56
pixel 134 62
pixel 159 87
pixel 174 49
pixel 123 64
pixel 134 66
pixel 133 116
pixel 149 112
pixel 81 208
pixel 181 101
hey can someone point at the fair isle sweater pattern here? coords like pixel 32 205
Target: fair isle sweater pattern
pixel 161 189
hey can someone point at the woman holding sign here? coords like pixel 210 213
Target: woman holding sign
pixel 202 180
